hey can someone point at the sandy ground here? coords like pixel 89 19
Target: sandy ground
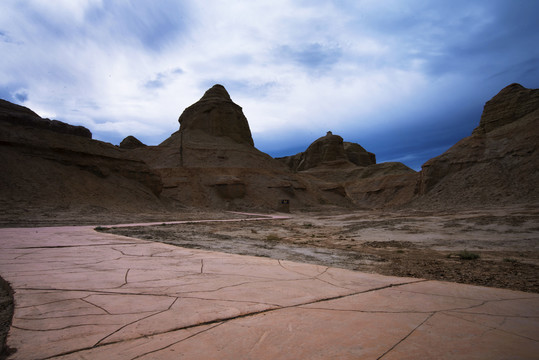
pixel 493 247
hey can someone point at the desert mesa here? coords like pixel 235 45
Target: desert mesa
pixel 51 168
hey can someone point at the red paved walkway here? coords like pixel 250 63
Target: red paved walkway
pixel 80 294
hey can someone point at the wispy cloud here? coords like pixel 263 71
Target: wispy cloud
pixel 296 67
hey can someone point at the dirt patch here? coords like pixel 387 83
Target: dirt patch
pixel 496 247
pixel 91 215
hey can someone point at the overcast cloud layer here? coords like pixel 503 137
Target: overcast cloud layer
pixel 405 79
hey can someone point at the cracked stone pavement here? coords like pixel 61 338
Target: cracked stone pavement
pixel 80 294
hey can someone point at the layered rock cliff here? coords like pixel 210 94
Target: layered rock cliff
pixel 50 166
pixel 498 164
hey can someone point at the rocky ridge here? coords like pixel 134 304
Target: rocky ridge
pixel 498 164
pixel 48 170
pixel 211 162
pixel 329 150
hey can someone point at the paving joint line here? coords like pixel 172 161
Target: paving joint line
pixel 224 320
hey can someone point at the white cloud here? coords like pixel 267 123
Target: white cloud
pixel 294 66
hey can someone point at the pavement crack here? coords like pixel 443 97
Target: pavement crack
pixel 97 306
pixel 134 322
pixel 54 329
pixel 232 301
pixel 220 321
pixel 294 271
pixel 106 292
pixel 177 342
pixel 70 246
pixel 406 337
pixel 125 254
pixel 125 278
pixel 202 266
pixel 490 328
pixel 358 292
pixel 317 277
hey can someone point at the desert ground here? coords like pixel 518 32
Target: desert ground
pixel 488 247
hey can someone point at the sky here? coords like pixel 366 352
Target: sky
pixel 406 79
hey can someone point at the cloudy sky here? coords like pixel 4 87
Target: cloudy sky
pixel 406 79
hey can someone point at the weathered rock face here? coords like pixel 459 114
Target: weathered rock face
pixel 329 150
pixel 20 115
pixel 213 133
pixel 358 155
pixel 498 164
pixel 325 149
pixel 47 169
pixel 217 115
pixel 510 104
pixel 131 142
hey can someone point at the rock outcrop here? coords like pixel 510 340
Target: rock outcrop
pixel 131 142
pixel 22 116
pixel 498 164
pixel 349 172
pixel 217 115
pixel 211 162
pixel 329 150
pixel 47 169
pixel 512 103
pixel 356 154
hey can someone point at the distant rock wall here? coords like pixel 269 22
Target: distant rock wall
pixel 22 116
pixel 329 149
pixel 44 169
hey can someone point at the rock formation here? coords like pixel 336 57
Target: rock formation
pixel 131 142
pixel 358 155
pixel 50 168
pixel 217 115
pixel 348 171
pixel 211 162
pixel 498 164
pixel 511 104
pixel 329 150
pixel 22 116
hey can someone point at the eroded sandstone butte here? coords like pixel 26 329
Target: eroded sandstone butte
pixel 497 165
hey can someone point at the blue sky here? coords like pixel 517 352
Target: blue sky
pixel 405 79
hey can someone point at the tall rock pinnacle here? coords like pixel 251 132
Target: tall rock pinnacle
pixel 217 115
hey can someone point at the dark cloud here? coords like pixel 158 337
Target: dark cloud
pixel 21 96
